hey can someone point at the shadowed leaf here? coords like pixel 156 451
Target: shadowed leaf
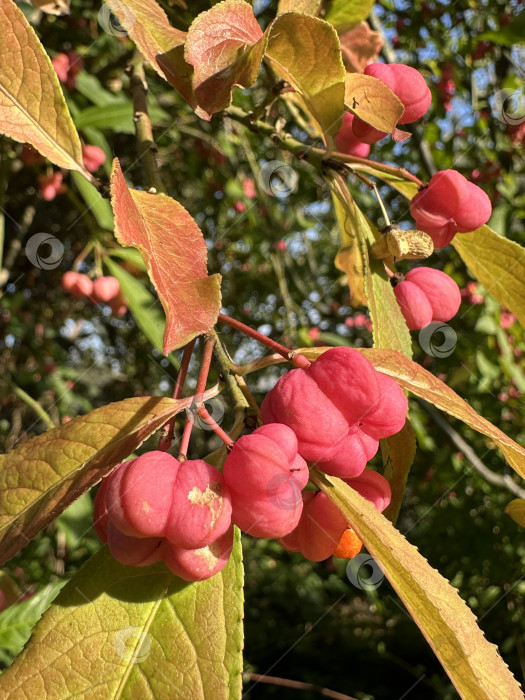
pixel 136 633
pixel 472 663
pixel 516 510
pixel 360 46
pixel 373 102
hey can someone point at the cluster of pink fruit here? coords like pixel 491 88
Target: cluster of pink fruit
pixel 330 414
pixel 449 204
pixel 103 290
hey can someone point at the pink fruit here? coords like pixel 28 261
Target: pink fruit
pixel 51 185
pixel 248 187
pixel 347 142
pixel 280 245
pixel 105 289
pixel 441 291
pixel 93 157
pixel 132 551
pixel 61 66
pixel 199 564
pixel 201 509
pixel 449 204
pixel 408 85
pixel 338 408
pixel 374 487
pixel 77 284
pixel 414 305
pixel 139 494
pixel 265 476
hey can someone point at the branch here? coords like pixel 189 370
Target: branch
pixel 298 685
pixel 146 147
pixel 32 403
pixel 504 481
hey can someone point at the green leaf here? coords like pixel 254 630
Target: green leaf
pixel 512 34
pixel 117 117
pixel 32 106
pixel 472 663
pixel 498 264
pixel 398 453
pixel 136 633
pixel 516 510
pixel 305 51
pixel 345 13
pixel 99 207
pixel 17 621
pixel 89 86
pixel 175 253
pixel 143 305
pixel 41 477
pixel 225 46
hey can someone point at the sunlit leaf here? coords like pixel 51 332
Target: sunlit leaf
pixel 225 47
pixel 41 477
pixel 498 264
pixel 398 453
pixel 136 633
pixel 345 13
pixel 472 663
pixel 163 45
pixel 307 7
pixel 305 52
pixel 516 510
pixel 372 101
pixel 32 106
pixel 175 253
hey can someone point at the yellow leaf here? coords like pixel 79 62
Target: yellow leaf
pixel 372 101
pixel 32 106
pixel 516 510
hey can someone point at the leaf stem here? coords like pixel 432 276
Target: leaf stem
pixel 32 403
pixel 290 355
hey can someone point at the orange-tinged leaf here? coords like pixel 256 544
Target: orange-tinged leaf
pixel 163 45
pixel 39 479
pixel 516 510
pixel 372 101
pixel 175 253
pixel 360 46
pixel 398 453
pixel 32 106
pixel 225 47
pixel 472 663
pixel 305 52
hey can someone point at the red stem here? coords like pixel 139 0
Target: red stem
pixel 205 415
pixel 290 355
pixel 209 342
pixel 382 167
pixel 166 436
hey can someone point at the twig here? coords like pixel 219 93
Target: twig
pixel 167 432
pixel 298 685
pixel 209 342
pixel 16 243
pixel 505 480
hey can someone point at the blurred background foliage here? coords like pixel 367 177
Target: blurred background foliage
pixel 276 253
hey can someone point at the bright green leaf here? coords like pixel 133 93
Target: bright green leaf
pixel 97 206
pixel 136 634
pixel 345 13
pixel 472 663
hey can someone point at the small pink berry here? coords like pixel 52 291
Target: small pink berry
pixel 93 157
